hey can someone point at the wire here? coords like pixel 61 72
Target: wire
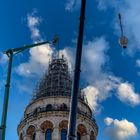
pixel 119 15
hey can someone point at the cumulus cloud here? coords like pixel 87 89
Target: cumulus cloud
pixel 102 83
pixel 69 54
pixel 38 61
pixel 100 90
pixel 138 62
pixel 94 58
pixel 3 65
pixel 3 58
pixel 92 95
pixel 120 129
pixel 99 80
pixel 72 4
pixel 107 85
pixel 127 94
pixel 108 121
pixel 33 22
pixel 138 65
pixel 40 56
pixel 104 4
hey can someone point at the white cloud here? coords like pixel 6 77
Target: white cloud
pixel 3 66
pixel 93 72
pixel 3 58
pixel 69 55
pixel 92 95
pixel 104 4
pixel 72 4
pixel 101 83
pixel 38 61
pixel 107 86
pixel 94 58
pixel 100 90
pixel 69 4
pixel 33 22
pixel 39 56
pixel 108 121
pixel 127 94
pixel 138 63
pixel 120 129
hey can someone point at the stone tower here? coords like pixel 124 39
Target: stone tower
pixel 46 117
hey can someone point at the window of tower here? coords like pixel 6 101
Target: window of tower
pixel 92 136
pixel 48 135
pixel 34 136
pixel 49 107
pixel 46 125
pixel 21 136
pixel 47 128
pixel 31 132
pixel 63 125
pixel 63 107
pixel 63 134
pixel 81 131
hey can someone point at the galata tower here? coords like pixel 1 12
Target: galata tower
pixel 46 116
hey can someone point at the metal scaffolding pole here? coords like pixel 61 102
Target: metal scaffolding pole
pixel 75 90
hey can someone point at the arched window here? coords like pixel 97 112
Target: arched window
pixel 34 136
pixel 63 134
pixel 81 131
pixel 63 107
pixel 31 132
pixel 92 136
pixel 48 135
pixel 63 126
pixel 21 136
pixel 47 128
pixel 49 107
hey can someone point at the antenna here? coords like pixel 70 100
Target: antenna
pixel 123 41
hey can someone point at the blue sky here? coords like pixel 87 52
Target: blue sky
pixel 110 75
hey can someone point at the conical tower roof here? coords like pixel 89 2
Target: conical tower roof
pixel 57 81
